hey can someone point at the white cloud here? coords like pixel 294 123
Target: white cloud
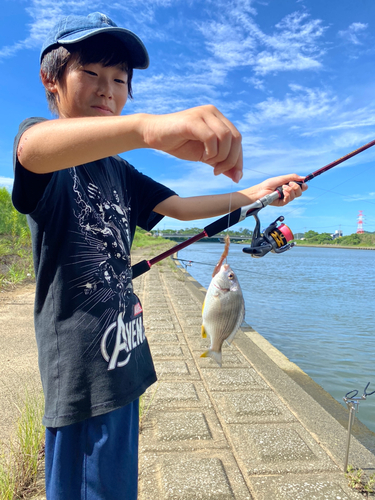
pixel 198 179
pixel 258 83
pixel 353 33
pixel 6 182
pixel 293 46
pixel 229 43
pixel 301 105
pixel 360 197
pixel 347 120
pixel 166 93
pixel 236 40
pixel 44 14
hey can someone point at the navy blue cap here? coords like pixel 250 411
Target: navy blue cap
pixel 72 29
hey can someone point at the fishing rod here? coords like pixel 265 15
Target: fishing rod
pixel 273 239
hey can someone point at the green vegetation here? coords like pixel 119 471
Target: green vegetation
pixel 15 243
pixel 309 238
pixel 20 458
pixel 352 240
pixel 144 239
pixel 16 262
pixel 357 480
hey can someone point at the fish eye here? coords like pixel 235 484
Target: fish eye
pixel 231 276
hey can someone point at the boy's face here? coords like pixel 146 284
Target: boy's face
pixel 91 90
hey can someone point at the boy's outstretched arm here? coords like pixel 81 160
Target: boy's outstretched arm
pixel 201 207
pixel 197 134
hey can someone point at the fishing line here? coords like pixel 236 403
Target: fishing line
pixel 229 211
pixel 239 270
pixel 213 265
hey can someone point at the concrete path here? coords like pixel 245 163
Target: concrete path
pixel 258 428
pixel 18 355
pixel 244 431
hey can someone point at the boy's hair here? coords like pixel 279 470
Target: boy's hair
pixel 102 48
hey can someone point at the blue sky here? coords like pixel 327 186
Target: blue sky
pixel 295 76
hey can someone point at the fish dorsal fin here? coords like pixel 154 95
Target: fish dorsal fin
pixel 204 334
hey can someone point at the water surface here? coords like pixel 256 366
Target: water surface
pixel 316 305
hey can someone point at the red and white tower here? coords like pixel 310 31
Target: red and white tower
pixel 360 223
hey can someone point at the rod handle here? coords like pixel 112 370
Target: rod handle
pixel 140 268
pixel 223 223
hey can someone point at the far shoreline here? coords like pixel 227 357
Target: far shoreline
pixel 344 247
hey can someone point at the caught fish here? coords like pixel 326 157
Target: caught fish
pixel 223 310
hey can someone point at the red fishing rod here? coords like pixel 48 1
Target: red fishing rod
pixel 274 238
pixel 337 162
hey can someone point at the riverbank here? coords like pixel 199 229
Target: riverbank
pixel 344 247
pixel 258 428
pixel 254 429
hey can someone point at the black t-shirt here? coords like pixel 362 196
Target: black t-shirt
pixel 93 353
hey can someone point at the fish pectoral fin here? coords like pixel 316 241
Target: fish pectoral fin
pixel 204 302
pixel 229 340
pixel 204 333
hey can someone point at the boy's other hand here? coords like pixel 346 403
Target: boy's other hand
pixel 198 134
pixel 291 189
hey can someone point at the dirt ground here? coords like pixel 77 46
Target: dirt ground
pixel 18 351
pixel 18 354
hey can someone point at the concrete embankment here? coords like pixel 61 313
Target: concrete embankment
pixel 258 428
pixel 336 246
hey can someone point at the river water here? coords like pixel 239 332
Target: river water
pixel 316 305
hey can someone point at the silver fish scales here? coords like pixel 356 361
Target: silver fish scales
pixel 223 311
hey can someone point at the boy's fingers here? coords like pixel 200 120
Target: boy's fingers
pixel 291 191
pixel 235 173
pixel 234 160
pixel 198 134
pixel 222 144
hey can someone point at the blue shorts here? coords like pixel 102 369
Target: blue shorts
pixel 96 459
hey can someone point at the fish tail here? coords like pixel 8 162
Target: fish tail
pixel 214 355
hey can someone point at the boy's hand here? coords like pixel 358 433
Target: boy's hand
pixel 291 190
pixel 198 134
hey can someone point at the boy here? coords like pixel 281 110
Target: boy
pixel 83 204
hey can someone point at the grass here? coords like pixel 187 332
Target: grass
pixel 16 262
pixel 358 481
pixel 365 240
pixel 143 239
pixel 15 244
pixel 20 458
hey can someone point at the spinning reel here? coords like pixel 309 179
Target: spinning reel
pixel 273 239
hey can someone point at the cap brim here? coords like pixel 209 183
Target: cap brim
pixel 137 51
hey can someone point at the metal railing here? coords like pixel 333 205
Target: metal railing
pixel 352 401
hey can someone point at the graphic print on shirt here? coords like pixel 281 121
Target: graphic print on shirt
pixel 104 224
